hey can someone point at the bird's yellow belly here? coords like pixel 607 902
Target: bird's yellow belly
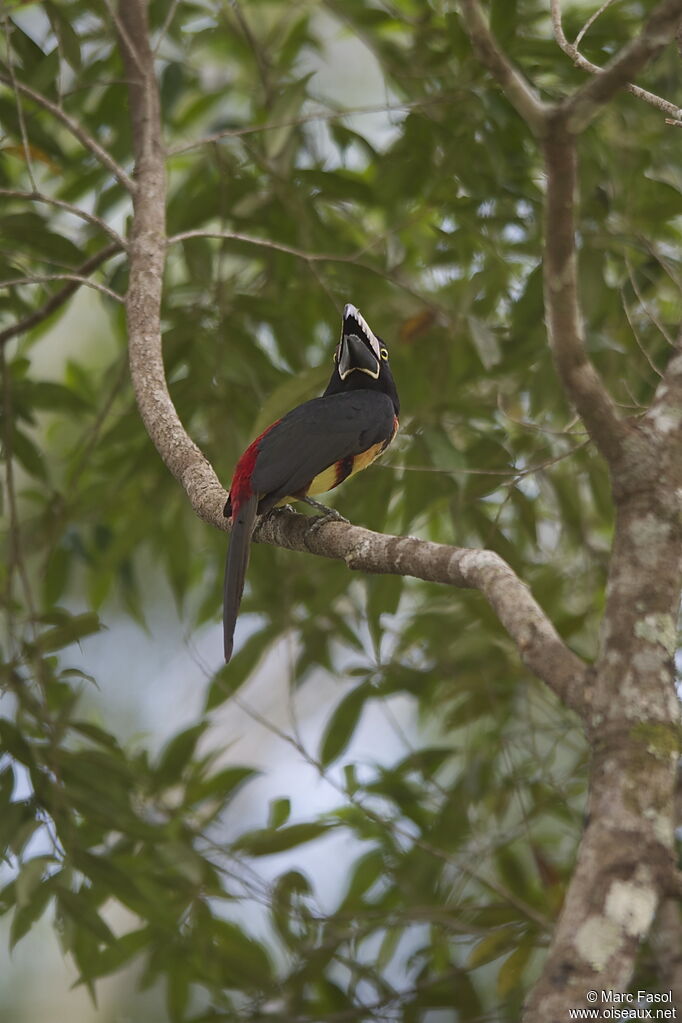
pixel 337 473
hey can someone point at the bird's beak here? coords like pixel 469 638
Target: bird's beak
pixel 355 355
pixel 359 348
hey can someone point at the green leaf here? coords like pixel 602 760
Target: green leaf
pixel 230 677
pixel 29 878
pixel 383 597
pixel 293 391
pixel 96 734
pixel 57 574
pixel 247 958
pixel 120 951
pixel 178 752
pixel 222 786
pixel 28 454
pixel 28 913
pixel 511 973
pixel 284 110
pixel 7 897
pixel 114 881
pixel 343 722
pixel 290 913
pixel 389 946
pixel 336 185
pixel 177 990
pixel 14 743
pixel 366 872
pixel 6 784
pixel 199 259
pixel 74 628
pixel 31 231
pixel 66 34
pixel 280 811
pixel 80 907
pixel 485 342
pixel 267 842
pixel 503 19
pixel 52 396
pixel 492 946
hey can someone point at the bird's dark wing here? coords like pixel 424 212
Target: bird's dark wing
pixel 315 436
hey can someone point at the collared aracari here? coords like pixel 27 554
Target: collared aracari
pixel 313 448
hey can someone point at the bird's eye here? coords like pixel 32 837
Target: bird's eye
pixel 383 352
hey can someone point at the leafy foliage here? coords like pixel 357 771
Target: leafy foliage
pixel 427 214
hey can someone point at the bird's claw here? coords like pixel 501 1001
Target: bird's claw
pixel 328 515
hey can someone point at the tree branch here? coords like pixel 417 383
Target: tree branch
pixel 289 250
pixel 658 31
pixel 77 211
pixel 557 126
pixel 265 243
pixel 76 130
pixel 520 94
pixel 674 112
pixel 581 381
pixel 78 279
pixel 541 649
pixel 624 864
pixel 540 646
pixel 318 115
pixel 60 297
pixel 147 256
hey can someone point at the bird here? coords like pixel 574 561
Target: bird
pixel 312 449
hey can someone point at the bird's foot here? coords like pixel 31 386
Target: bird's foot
pixel 279 508
pixel 328 514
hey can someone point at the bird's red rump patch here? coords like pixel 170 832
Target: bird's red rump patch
pixel 240 488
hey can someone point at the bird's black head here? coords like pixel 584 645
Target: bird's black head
pixel 361 359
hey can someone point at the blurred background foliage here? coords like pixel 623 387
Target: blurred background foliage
pixel 360 154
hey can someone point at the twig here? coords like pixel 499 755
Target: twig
pixel 580 379
pixel 77 211
pixel 96 428
pixel 590 22
pixel 526 424
pixel 461 864
pixel 558 127
pixel 76 130
pixel 16 282
pixel 261 62
pixel 512 474
pixel 58 299
pixel 638 340
pixel 674 112
pixel 311 258
pixel 166 25
pixel 661 259
pixel 649 312
pixel 320 115
pixel 266 243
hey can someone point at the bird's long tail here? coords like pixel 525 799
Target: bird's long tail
pixel 243 519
